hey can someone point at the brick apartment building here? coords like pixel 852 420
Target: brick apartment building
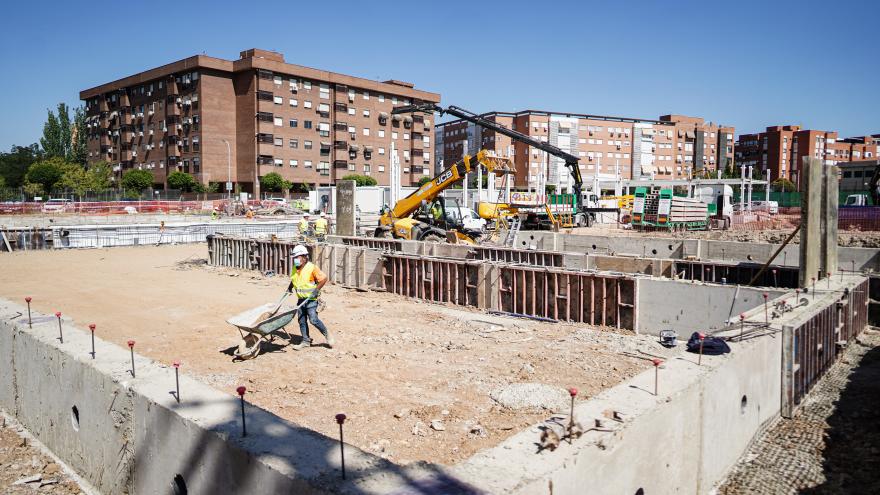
pixel 255 115
pixel 670 147
pixel 780 149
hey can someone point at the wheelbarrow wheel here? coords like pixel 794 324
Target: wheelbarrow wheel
pixel 249 347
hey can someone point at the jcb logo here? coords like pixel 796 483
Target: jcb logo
pixel 444 177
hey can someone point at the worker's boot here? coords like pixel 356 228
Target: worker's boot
pixel 301 346
pixel 330 341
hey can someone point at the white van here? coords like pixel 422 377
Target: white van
pixel 469 218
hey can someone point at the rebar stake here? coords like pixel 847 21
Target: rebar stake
pixel 573 393
pixel 176 365
pixel 131 348
pixel 657 363
pixel 28 301
pixel 92 328
pixel 813 279
pixel 828 279
pixel 60 332
pixel 766 317
pixel 241 390
pixel 340 419
pixel 702 337
pixel 742 324
pixel 775 283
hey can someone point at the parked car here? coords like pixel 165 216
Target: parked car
pixel 469 218
pixel 57 205
pixel 277 200
pixel 771 207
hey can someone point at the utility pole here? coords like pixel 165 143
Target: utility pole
pixel 228 174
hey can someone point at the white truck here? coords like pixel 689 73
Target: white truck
pixel 721 195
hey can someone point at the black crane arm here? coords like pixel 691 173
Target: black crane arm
pixel 571 161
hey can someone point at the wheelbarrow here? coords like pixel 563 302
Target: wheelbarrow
pixel 262 324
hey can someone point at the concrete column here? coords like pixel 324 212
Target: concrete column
pixel 345 206
pixel 811 230
pixel 829 220
pixel 787 399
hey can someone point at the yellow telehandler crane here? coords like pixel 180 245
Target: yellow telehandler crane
pixel 426 216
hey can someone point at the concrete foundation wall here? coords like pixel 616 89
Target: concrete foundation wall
pixel 683 441
pixel 131 435
pixel 698 307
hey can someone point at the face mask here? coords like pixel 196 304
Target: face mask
pixel 297 262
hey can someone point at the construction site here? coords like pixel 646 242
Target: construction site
pixel 151 354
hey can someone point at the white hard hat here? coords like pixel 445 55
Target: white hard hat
pixel 300 250
pixel 323 214
pixel 305 215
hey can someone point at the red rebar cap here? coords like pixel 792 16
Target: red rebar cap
pixel 92 327
pixel 58 314
pixel 27 299
pixel 742 317
pixel 176 364
pixel 572 392
pixel 773 270
pixel 131 343
pixel 657 362
pixel 340 418
pixel 765 295
pixel 241 390
pixel 701 336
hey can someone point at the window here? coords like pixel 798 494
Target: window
pixel 294 163
pixel 279 121
pixel 381 133
pixel 307 124
pixel 380 96
pixel 366 95
pixel 381 168
pixel 393 134
pixel 293 143
pixel 366 113
pixel 406 155
pixel 307 164
pixel 307 85
pixel 405 135
pixel 352 167
pixel 294 123
pixel 307 104
pixel 293 102
pixel 279 100
pixel 277 80
pixel 381 151
pixel 366 131
pixel 324 168
pixel 324 90
pixel 307 144
pixel 279 162
pixel 352 111
pixel 279 141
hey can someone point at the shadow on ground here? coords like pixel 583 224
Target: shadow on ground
pixel 851 457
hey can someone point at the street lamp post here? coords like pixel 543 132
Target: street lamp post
pixel 228 173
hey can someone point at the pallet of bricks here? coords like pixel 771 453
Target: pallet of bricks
pixel 664 211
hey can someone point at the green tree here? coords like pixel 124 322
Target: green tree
pixel 181 181
pixel 33 189
pixel 213 187
pixel 361 180
pixel 274 182
pixel 137 180
pixel 65 137
pixel 2 182
pixel 47 173
pixel 14 165
pixel 424 180
pixel 783 184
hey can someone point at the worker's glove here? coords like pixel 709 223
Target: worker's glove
pixel 290 287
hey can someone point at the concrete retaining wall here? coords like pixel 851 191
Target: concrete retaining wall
pixel 129 435
pixel 698 307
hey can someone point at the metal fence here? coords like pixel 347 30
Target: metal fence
pixel 865 219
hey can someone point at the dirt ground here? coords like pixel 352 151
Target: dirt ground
pixel 398 365
pixel 24 463
pixel 844 238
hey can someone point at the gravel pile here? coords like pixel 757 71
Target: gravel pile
pixel 531 396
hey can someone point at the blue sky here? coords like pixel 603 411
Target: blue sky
pixel 747 64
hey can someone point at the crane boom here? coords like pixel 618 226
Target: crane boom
pixel 571 161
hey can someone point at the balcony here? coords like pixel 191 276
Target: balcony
pixel 265 96
pixel 340 145
pixel 173 150
pixel 265 117
pixel 340 107
pixel 171 108
pixel 340 126
pixel 340 164
pixel 265 160
pixel 172 88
